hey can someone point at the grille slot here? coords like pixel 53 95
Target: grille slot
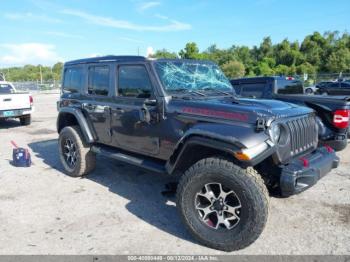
pixel 303 134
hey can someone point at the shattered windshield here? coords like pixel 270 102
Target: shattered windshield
pixel 192 77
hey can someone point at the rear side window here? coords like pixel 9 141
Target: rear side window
pixel 6 89
pixel 98 80
pixel 134 81
pixel 289 87
pixel 334 85
pixel 255 90
pixel 73 80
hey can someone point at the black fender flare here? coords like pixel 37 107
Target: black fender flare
pixel 200 140
pixel 82 121
pixel 225 144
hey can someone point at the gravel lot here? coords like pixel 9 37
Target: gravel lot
pixel 119 209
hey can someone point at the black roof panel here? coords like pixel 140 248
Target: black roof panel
pixel 110 58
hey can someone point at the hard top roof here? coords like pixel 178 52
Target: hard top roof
pixel 113 58
pixel 110 58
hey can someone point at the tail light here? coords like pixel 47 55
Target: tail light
pixel 31 101
pixel 341 118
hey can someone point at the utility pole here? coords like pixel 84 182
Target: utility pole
pixel 41 76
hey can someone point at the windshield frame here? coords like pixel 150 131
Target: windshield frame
pixel 219 91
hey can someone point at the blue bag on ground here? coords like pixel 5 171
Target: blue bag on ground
pixel 20 156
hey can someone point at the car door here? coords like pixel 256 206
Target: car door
pixel 98 100
pixel 134 112
pixel 333 88
pixel 345 88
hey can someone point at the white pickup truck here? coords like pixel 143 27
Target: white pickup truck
pixel 15 104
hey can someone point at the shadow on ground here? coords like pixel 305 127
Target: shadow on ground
pixel 142 188
pixel 9 123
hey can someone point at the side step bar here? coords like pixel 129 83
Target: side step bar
pixel 130 159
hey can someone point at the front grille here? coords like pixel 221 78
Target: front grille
pixel 303 134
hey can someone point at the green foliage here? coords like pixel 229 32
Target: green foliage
pixel 317 53
pixel 33 73
pixel 233 69
pixel 190 51
pixel 327 53
pixel 163 53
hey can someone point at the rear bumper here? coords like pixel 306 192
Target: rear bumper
pixel 16 112
pixel 304 172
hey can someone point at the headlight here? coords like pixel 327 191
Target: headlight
pixel 275 133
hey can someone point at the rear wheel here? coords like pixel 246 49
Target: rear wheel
pixel 75 155
pixel 224 206
pixel 25 120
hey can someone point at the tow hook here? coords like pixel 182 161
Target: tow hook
pixel 260 124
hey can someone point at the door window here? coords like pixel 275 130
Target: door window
pixel 255 90
pixel 289 87
pixel 98 80
pixel 134 81
pixel 73 80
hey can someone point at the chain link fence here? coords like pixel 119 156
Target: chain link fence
pixel 37 86
pixel 312 80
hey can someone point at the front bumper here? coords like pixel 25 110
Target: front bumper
pixel 304 172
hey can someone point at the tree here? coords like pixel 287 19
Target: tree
pixel 190 51
pixel 263 69
pixel 233 69
pixel 339 61
pixel 163 53
pixel 266 49
pixel 282 70
pixel 305 68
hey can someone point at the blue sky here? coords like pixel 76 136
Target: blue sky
pixel 42 31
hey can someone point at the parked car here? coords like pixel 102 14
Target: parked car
pixel 334 88
pixel 15 104
pixel 332 112
pixel 181 117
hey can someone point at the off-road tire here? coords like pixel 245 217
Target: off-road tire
pixel 249 187
pixel 25 120
pixel 86 159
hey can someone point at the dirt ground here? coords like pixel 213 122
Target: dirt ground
pixel 119 209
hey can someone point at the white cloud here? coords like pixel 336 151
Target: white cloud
pixel 64 35
pixel 123 24
pixel 28 53
pixel 161 16
pixel 147 5
pixel 133 40
pixel 31 17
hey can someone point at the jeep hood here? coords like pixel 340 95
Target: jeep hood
pixel 241 109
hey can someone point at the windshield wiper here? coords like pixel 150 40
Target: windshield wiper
pixel 190 91
pixel 216 90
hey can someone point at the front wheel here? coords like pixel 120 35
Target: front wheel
pixel 223 206
pixel 75 155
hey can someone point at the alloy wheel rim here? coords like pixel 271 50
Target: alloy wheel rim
pixel 70 152
pixel 218 206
